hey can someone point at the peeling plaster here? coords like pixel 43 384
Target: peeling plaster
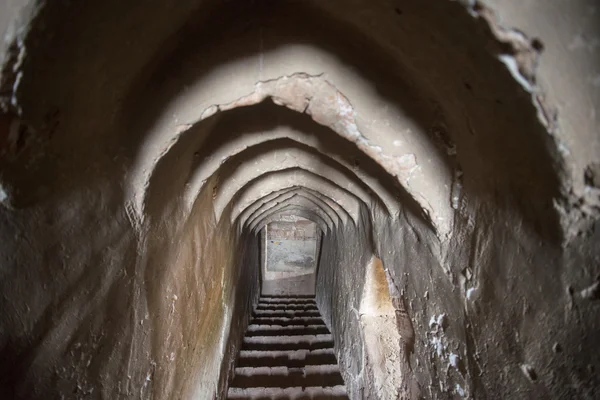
pixel 312 95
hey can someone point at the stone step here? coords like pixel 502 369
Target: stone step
pixel 278 330
pixel 284 296
pixel 286 313
pixel 286 301
pixel 273 306
pixel 295 342
pixel 284 321
pixel 287 353
pixel 295 393
pixel 310 375
pixel 288 358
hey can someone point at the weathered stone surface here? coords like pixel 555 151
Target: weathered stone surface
pixel 143 147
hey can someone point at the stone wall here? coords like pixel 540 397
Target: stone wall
pixel 142 147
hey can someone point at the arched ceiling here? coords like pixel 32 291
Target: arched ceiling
pixel 257 191
pixel 392 106
pixel 298 194
pixel 331 92
pixel 300 212
pixel 237 130
pixel 294 202
pixel 341 213
pixel 278 156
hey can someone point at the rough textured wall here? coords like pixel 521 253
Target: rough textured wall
pixel 496 310
pixel 70 317
pixel 212 274
pixel 499 309
pixel 340 277
pixel 430 308
pixel 96 303
pixel 125 313
pixel 117 118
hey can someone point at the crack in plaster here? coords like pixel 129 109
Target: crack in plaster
pixel 344 121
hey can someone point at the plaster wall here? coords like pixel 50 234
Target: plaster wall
pixel 120 279
pixel 129 313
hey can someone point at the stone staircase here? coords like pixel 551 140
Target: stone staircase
pixel 287 354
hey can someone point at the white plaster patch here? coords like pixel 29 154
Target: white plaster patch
pixel 529 372
pixel 437 345
pixel 453 360
pixel 470 292
pixel 3 194
pixel 182 128
pixel 456 193
pixel 432 321
pixel 513 67
pixel 563 149
pixel 439 320
pixel 14 101
pixel 591 292
pixel 173 304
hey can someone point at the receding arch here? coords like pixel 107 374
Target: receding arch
pixel 254 190
pixel 295 200
pixel 276 156
pixel 341 212
pixel 238 129
pixel 300 212
pixel 335 217
pixel 289 209
pixel 95 118
pixel 334 102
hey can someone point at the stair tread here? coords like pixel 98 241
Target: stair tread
pixel 298 393
pixel 287 342
pixel 275 327
pixel 286 313
pixel 278 306
pixel 289 358
pixel 286 301
pixel 271 330
pixel 288 339
pixel 274 353
pixel 282 376
pixel 286 321
pixel 284 370
pixel 287 353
